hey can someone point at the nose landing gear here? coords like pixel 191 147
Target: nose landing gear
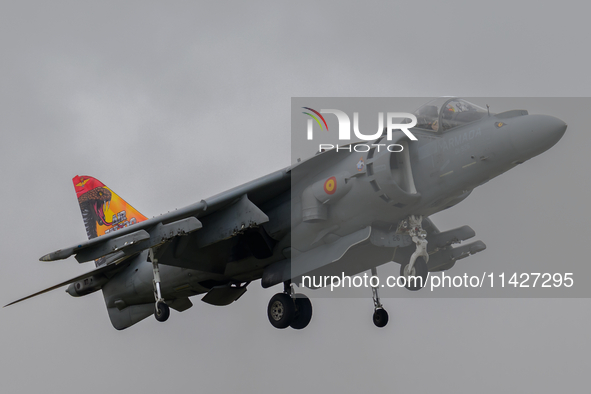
pixel 380 316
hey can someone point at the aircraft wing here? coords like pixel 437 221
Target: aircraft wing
pixel 119 263
pixel 235 210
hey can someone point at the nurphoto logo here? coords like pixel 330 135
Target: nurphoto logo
pixel 392 121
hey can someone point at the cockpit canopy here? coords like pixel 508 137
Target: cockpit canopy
pixel 446 113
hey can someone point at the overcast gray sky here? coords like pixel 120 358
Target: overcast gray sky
pixel 169 103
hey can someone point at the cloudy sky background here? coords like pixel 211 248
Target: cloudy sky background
pixel 171 103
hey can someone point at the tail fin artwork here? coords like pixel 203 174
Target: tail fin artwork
pixel 103 211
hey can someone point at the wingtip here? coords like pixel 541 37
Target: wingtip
pixel 46 257
pixel 60 254
pixel 51 256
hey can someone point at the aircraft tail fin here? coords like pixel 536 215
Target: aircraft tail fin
pixel 103 211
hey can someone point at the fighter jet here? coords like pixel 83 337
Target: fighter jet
pixel 339 211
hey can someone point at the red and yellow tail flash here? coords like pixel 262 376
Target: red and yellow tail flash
pixel 102 209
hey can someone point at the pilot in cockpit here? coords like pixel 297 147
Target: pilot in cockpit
pixel 447 115
pixel 428 118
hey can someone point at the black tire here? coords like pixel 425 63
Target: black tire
pixel 161 312
pixel 281 310
pixel 303 312
pixel 380 317
pixel 420 270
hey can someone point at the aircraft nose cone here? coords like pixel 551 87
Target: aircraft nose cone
pixel 552 131
pixel 538 134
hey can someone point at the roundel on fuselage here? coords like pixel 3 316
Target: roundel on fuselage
pixel 330 186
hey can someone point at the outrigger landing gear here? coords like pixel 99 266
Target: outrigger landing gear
pixel 380 316
pixel 161 310
pixel 416 271
pixel 289 309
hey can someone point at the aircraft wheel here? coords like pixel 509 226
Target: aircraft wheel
pixel 303 312
pixel 380 317
pixel 161 312
pixel 419 269
pixel 281 310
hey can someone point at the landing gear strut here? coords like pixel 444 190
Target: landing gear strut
pixel 416 271
pixel 380 316
pixel 161 310
pixel 289 309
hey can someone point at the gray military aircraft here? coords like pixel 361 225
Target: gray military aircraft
pixel 338 211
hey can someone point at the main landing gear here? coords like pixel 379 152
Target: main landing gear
pixel 289 309
pixel 161 310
